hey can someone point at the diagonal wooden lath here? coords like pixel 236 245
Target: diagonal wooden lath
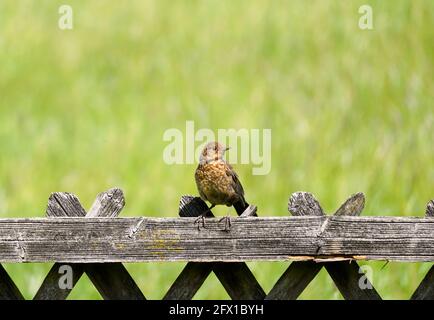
pixel 425 290
pixel 8 289
pixel 300 273
pixel 236 277
pixel 112 280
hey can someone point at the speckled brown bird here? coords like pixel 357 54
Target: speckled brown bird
pixel 217 182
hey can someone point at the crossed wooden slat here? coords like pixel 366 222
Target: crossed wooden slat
pixel 299 274
pixel 345 275
pixel 236 277
pixel 425 290
pixel 293 281
pixel 113 281
pixel 8 289
pixel 297 277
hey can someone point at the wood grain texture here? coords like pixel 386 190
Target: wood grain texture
pixel 177 239
pixel 236 278
pixel 96 243
pixel 61 204
pixel 194 274
pixel 430 209
pixel 347 276
pixel 112 280
pixel 299 274
pixel 304 204
pixel 353 206
pixel 425 290
pixel 107 204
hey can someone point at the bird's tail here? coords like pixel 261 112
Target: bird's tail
pixel 240 205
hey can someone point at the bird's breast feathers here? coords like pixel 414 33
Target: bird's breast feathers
pixel 213 182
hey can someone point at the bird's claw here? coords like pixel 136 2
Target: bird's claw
pixel 227 220
pixel 200 221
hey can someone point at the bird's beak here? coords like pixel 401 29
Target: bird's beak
pixel 227 148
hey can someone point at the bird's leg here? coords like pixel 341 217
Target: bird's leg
pixel 201 218
pixel 227 220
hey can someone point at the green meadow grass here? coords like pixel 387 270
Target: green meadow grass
pixel 350 110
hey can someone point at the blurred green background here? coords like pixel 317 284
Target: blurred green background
pixel 350 110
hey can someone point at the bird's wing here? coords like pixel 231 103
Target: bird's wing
pixel 236 184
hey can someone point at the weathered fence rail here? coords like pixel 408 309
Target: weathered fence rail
pixel 97 242
pixel 249 239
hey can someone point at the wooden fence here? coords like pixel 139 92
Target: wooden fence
pixel 97 243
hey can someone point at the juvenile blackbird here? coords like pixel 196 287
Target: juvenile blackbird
pixel 217 182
